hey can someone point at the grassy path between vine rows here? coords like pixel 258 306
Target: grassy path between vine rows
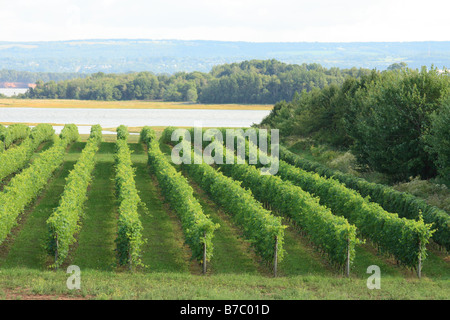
pixel 95 242
pixel 164 250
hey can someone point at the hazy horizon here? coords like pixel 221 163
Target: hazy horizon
pixel 322 21
pixel 211 40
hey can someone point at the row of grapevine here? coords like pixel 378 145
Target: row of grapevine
pixel 63 223
pixel 16 158
pixel 122 133
pixel 69 133
pixel 332 235
pixel 405 239
pixel 25 187
pixel 11 134
pixel 405 204
pixel 197 227
pixel 129 235
pixel 264 230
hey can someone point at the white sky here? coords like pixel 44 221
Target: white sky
pixel 228 20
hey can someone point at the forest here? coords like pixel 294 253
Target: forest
pixel 255 81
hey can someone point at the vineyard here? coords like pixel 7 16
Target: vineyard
pixel 118 205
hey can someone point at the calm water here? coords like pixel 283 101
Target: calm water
pixel 134 117
pixel 9 92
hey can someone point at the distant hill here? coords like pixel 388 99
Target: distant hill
pixel 170 56
pixel 25 79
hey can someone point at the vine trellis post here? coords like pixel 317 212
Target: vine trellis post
pixel 275 258
pixel 56 252
pixel 204 253
pixel 130 262
pixel 347 266
pixel 419 266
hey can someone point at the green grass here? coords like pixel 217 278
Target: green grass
pixel 20 283
pixel 433 193
pixel 337 159
pixel 300 258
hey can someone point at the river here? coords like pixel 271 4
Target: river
pixel 9 92
pixel 111 118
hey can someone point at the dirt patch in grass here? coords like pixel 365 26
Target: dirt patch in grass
pixel 26 294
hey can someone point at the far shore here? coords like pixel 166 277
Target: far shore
pixel 134 104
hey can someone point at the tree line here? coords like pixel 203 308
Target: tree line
pixel 255 81
pixel 395 122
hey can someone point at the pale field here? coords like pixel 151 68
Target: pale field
pixel 55 103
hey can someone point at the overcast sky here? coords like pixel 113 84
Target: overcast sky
pixel 229 20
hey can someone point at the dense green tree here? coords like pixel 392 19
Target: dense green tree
pixel 438 139
pixel 393 119
pixel 397 66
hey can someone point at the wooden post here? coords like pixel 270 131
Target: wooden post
pixel 347 267
pixel 204 253
pixel 275 258
pixel 56 252
pixel 419 267
pixel 130 266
